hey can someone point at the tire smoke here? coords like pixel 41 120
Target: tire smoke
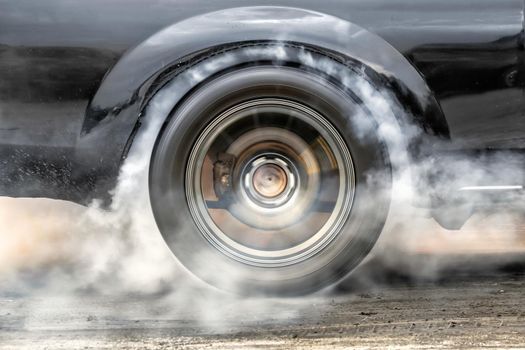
pixel 68 249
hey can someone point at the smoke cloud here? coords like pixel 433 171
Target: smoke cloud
pixel 54 247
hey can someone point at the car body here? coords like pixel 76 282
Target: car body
pixel 76 75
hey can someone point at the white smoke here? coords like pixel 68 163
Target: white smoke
pixel 121 250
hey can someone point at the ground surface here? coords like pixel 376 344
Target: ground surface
pixel 464 309
pixel 71 279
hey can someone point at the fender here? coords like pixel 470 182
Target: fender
pixel 112 114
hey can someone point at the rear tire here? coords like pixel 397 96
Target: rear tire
pixel 305 199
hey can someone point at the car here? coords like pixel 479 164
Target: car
pixel 270 134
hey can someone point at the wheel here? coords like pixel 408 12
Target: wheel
pixel 261 184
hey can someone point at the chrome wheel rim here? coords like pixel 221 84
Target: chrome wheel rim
pixel 270 182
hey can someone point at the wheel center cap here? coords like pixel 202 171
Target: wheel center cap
pixel 269 180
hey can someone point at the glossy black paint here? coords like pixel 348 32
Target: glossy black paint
pixel 457 65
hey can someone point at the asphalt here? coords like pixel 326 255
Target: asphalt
pixel 473 305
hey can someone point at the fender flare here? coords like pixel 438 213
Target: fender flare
pixel 114 111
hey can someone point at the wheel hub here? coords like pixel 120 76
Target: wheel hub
pixel 270 180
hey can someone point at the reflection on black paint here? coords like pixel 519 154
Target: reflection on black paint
pixel 50 74
pixel 470 68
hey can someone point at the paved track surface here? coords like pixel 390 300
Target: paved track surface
pixel 423 287
pixel 468 307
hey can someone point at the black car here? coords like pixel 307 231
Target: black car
pixel 267 133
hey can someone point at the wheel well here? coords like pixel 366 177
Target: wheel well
pixel 427 117
pixel 116 110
